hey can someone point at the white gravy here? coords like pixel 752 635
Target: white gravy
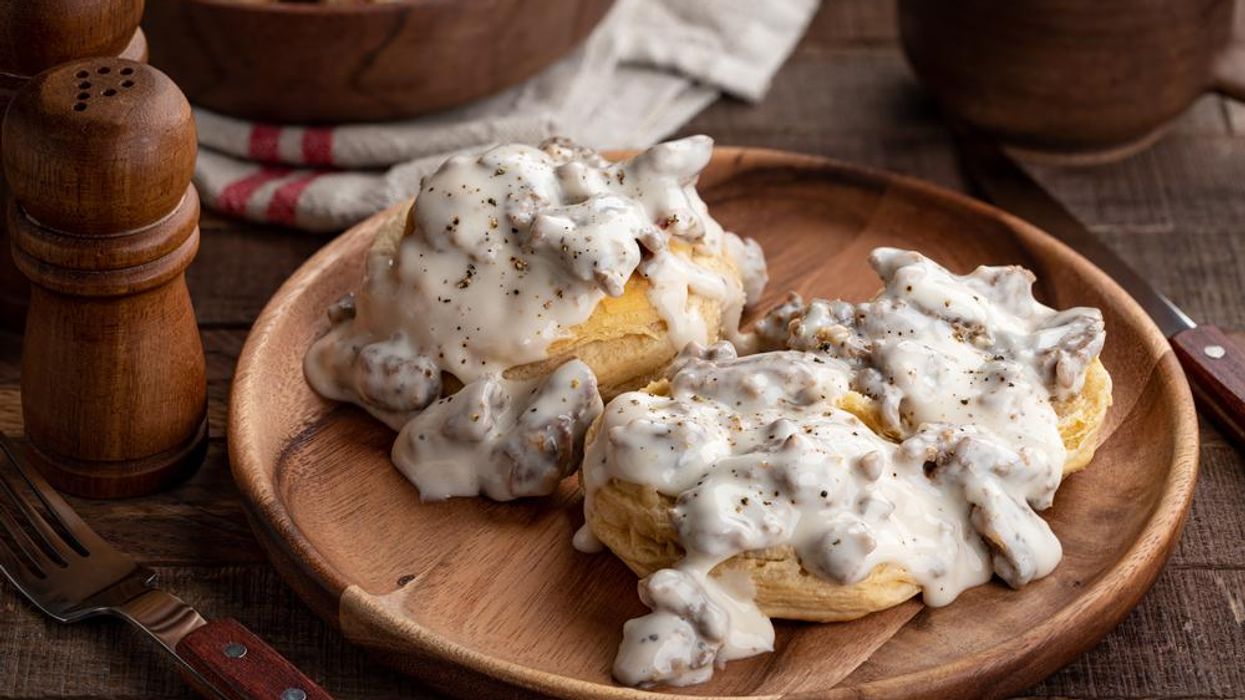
pixel 520 437
pixel 758 455
pixel 510 250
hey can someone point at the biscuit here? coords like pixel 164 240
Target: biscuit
pixel 636 524
pixel 624 341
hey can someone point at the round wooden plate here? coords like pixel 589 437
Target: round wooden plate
pixel 480 598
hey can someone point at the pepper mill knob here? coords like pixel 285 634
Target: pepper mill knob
pixel 99 154
pixel 43 33
pixel 117 136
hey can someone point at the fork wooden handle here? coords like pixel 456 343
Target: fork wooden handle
pixel 240 666
pixel 1215 366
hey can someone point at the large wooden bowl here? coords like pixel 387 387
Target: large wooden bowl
pixel 481 598
pixel 308 63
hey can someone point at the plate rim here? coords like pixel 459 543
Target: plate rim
pixel 1131 575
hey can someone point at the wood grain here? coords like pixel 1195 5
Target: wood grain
pixel 241 666
pixel 53 32
pixel 1082 79
pixel 1216 370
pixel 319 484
pixel 98 154
pixel 350 63
pixel 1187 194
pixel 57 31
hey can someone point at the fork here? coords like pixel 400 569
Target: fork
pixel 71 574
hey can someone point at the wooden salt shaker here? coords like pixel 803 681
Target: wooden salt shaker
pixel 103 220
pixel 43 33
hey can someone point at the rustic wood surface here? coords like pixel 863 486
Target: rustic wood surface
pixel 1174 211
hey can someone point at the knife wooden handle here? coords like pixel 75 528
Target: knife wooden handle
pixel 1215 366
pixel 240 666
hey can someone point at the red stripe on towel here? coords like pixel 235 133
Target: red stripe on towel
pixel 284 204
pixel 237 194
pixel 263 144
pixel 318 146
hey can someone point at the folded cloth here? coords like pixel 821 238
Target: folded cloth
pixel 645 71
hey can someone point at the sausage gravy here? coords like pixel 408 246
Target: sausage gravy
pixel 757 452
pixel 509 250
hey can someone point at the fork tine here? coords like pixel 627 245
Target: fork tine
pixel 64 518
pixel 36 561
pixel 17 569
pixel 47 537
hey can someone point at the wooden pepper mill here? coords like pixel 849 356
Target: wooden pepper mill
pixel 103 220
pixel 42 34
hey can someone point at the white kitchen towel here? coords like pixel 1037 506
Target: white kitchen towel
pixel 645 71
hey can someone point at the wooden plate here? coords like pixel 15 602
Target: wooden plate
pixel 480 598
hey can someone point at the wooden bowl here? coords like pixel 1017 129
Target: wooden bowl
pixel 488 599
pixel 307 63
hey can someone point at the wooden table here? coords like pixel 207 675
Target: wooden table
pixel 1175 211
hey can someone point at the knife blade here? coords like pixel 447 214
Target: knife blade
pixel 1214 365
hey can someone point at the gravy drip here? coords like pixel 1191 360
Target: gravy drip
pixel 505 439
pixel 506 252
pixel 758 453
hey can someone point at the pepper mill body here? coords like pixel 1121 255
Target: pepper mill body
pixel 52 32
pixel 103 221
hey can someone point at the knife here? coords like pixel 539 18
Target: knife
pixel 1214 364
